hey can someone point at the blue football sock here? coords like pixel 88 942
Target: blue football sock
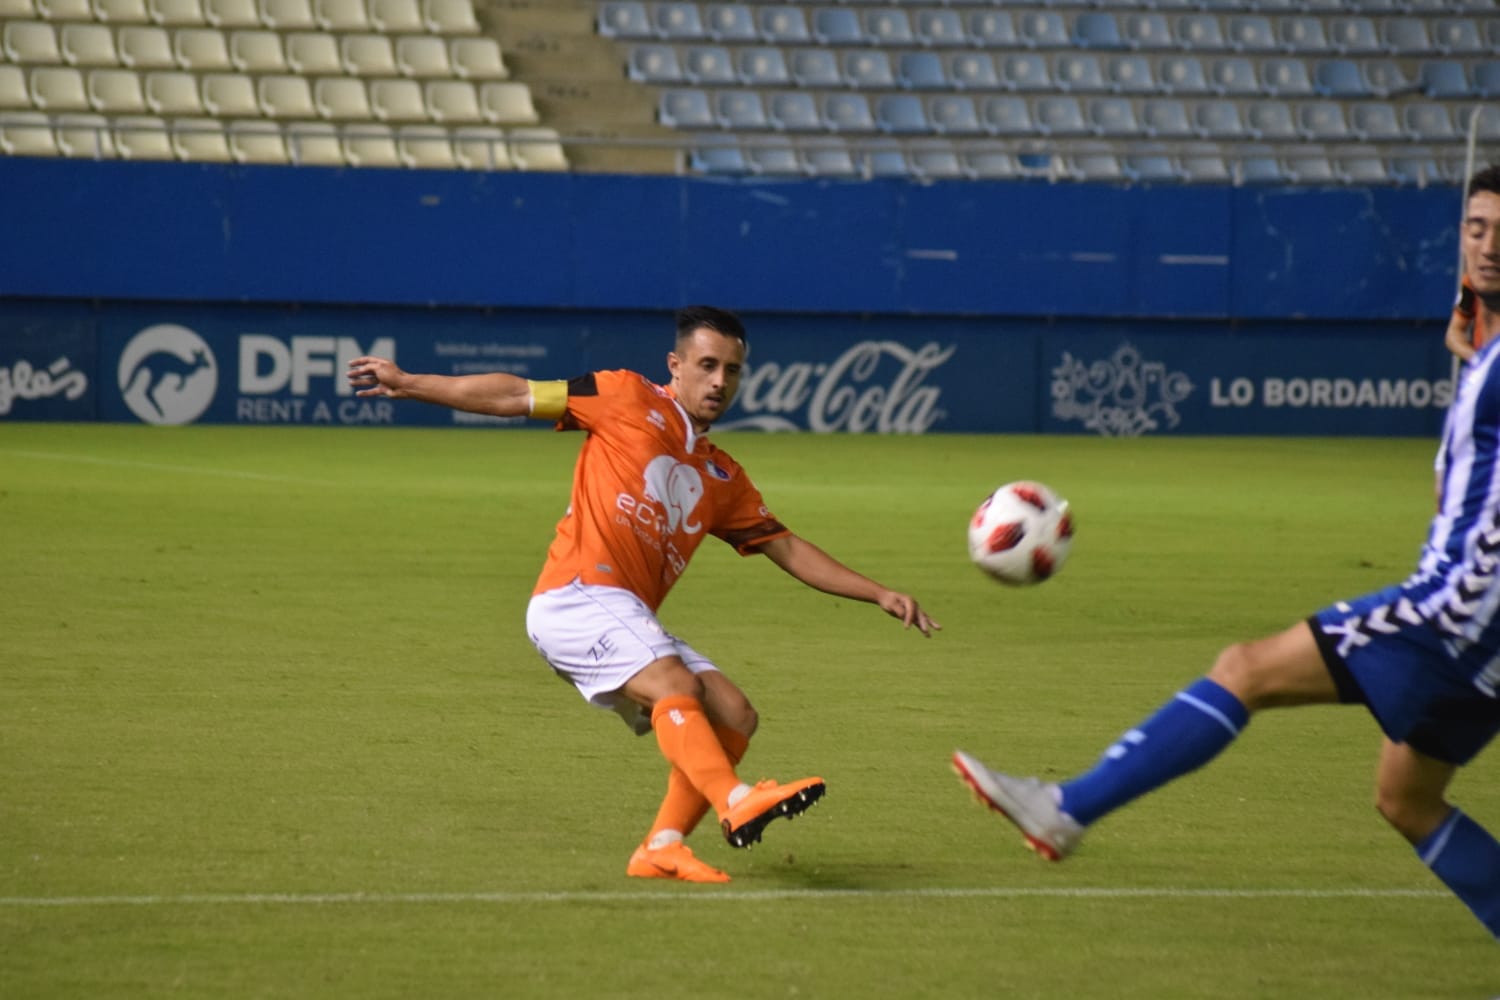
pixel 1467 859
pixel 1185 733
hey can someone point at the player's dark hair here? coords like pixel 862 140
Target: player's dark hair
pixel 690 318
pixel 1487 179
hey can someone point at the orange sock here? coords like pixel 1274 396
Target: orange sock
pixel 688 741
pixel 684 806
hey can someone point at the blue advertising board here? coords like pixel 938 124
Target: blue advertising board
pixel 176 364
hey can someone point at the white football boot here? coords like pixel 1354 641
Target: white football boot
pixel 1027 802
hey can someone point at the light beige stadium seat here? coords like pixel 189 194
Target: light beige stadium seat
pixel 26 133
pixel 396 17
pixel 64 10
pixel 422 56
pixel 452 102
pixel 507 103
pixel 341 98
pixel 199 140
pixel 286 96
pixel 88 45
pixel 31 42
pixel 255 142
pixel 173 94
pixel 121 11
pixel 202 50
pixel 425 147
pixel 229 95
pixel 370 145
pixel 257 52
pixel 84 137
pixel 176 13
pixel 450 17
pixel 142 137
pixel 341 15
pixel 144 47
pixel 314 144
pixel 397 101
pixel 481 147
pixel 368 54
pixel 226 14
pixel 477 59
pixel 13 92
pixel 116 92
pixel 58 88
pixel 287 15
pixel 21 10
pixel 537 149
pixel 313 53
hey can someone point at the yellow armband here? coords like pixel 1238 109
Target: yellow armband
pixel 549 400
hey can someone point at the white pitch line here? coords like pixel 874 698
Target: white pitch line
pixel 197 470
pixel 697 895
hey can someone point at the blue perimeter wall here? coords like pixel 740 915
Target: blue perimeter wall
pixel 879 305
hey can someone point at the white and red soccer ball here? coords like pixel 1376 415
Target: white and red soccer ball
pixel 1021 534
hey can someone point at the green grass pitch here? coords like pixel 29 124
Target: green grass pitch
pixel 270 727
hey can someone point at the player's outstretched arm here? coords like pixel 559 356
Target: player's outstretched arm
pixel 494 393
pixel 819 570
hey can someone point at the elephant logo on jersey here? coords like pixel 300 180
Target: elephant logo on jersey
pixel 677 488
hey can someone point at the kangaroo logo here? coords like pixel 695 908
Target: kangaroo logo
pixel 168 375
pixel 677 488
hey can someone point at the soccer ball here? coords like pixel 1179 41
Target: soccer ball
pixel 1021 534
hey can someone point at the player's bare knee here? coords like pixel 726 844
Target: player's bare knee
pixel 1412 814
pixel 1236 669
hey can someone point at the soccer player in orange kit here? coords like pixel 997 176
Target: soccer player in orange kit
pixel 647 489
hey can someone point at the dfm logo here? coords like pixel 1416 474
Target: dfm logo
pixel 168 375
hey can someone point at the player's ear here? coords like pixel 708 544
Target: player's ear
pixel 673 362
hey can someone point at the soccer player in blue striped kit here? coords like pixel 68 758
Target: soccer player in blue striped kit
pixel 1423 656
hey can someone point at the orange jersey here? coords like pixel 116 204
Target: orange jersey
pixel 646 490
pixel 1473 311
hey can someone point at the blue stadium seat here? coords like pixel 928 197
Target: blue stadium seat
pixel 730 22
pixel 740 110
pixel 677 21
pixel 1360 167
pixel 1271 120
pixel 901 114
pixel 1322 121
pixel 1309 166
pixel 937 27
pixel 624 19
pixel 936 161
pixel 761 66
pixel 1339 78
pixel 1130 74
pixel 991 162
pixel 1417 166
pixel 1405 36
pixel 1219 119
pixel 1303 35
pixel 794 111
pixel 1043 29
pixel 994 29
pixel 1375 121
pixel 1457 36
pixel 846 113
pixel 814 67
pixel 783 25
pixel 1097 30
pixel 884 158
pixel 720 156
pixel 1113 117
pixel 887 26
pixel 973 71
pixel 1441 79
pixel 1166 118
pixel 685 109
pixel 1233 76
pixel 867 68
pixel 1025 71
pixel 954 114
pixel 1354 36
pixel 827 157
pixel 837 26
pixel 1095 165
pixel 1251 33
pixel 1147 30
pixel 1079 71
pixel 653 63
pixel 1286 77
pixel 1060 115
pixel 1182 75
pixel 1199 33
pixel 1487 79
pixel 1007 114
pixel 1148 166
pixel 709 64
pixel 1260 167
pixel 1204 166
pixel 772 157
pixel 1429 121
pixel 922 70
pixel 1384 77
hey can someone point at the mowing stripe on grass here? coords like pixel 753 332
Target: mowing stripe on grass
pixel 196 470
pixel 510 898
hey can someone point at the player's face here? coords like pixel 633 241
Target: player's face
pixel 1481 243
pixel 706 371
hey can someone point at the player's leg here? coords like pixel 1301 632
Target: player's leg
pixel 1410 789
pixel 734 721
pixel 1183 735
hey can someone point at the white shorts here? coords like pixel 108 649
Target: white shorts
pixel 597 638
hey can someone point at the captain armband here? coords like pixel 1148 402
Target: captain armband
pixel 549 400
